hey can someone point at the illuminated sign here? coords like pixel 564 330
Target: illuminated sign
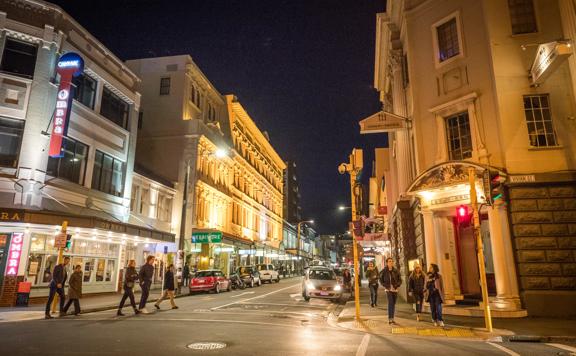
pixel 548 57
pixel 382 122
pixel 14 253
pixel 207 237
pixel 70 65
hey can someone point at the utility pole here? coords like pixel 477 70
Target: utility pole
pixel 353 168
pixel 181 258
pixel 480 248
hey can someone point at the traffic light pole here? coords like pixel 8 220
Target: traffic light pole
pixel 480 248
pixel 355 246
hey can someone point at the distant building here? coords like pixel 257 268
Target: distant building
pixel 292 197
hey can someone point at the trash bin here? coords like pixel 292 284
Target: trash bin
pixel 23 294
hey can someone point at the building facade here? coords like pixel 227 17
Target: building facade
pixel 89 185
pixel 292 207
pixel 491 81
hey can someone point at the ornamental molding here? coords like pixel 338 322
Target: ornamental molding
pixel 445 175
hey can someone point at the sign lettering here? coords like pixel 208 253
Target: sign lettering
pixel 14 254
pixel 207 237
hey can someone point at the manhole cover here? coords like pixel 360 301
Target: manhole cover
pixel 207 345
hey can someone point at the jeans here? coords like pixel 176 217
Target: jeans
pixel 373 294
pixel 419 300
pixel 76 306
pixel 145 293
pixel 53 291
pixel 167 294
pixel 392 296
pixel 436 306
pixel 128 293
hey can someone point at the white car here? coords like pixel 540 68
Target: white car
pixel 268 273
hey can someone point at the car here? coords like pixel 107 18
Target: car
pixel 249 275
pixel 268 273
pixel 211 280
pixel 321 282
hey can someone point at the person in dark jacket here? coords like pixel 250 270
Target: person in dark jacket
pixel 391 281
pixel 416 288
pixel 145 277
pixel 74 290
pixel 130 278
pixel 59 277
pixel 435 293
pixel 168 288
pixel 186 275
pixel 372 276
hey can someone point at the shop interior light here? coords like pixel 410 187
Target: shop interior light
pixel 93 237
pixel 146 245
pixel 135 244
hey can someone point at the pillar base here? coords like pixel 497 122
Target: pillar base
pixel 505 303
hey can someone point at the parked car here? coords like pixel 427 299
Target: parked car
pixel 321 282
pixel 209 280
pixel 268 273
pixel 249 275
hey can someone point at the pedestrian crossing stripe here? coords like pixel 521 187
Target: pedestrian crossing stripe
pixel 453 332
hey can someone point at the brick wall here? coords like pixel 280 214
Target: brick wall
pixel 8 291
pixel 543 220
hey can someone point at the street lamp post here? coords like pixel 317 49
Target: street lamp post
pixel 298 240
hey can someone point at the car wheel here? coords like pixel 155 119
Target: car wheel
pixel 306 298
pixel 217 288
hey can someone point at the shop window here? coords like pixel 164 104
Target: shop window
pixel 19 58
pixel 522 16
pixel 85 90
pixel 72 165
pixel 114 108
pixel 50 263
pixel 539 121
pixel 110 270
pixel 108 175
pixel 88 269
pixel 11 131
pixel 459 137
pixel 165 86
pixel 100 270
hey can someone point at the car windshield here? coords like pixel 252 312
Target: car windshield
pixel 245 270
pixel 262 267
pixel 205 274
pixel 323 274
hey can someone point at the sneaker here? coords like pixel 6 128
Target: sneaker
pixel 175 307
pixel 144 311
pixel 136 311
pixel 435 324
pixel 390 322
pixel 62 314
pixel 119 313
pixel 48 316
pixel 417 317
pixel 441 323
pixel 157 306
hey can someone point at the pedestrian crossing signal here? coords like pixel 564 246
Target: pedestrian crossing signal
pixel 496 186
pixel 68 242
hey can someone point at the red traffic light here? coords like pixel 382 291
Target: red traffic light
pixel 462 211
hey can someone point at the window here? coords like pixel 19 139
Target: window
pixel 165 86
pixel 72 165
pixel 522 16
pixel 211 113
pixel 195 95
pixel 114 108
pixel 85 90
pixel 11 131
pixel 459 137
pixel 448 45
pixel 19 58
pixel 108 175
pixel 539 120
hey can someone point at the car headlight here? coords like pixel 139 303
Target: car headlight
pixel 337 288
pixel 309 285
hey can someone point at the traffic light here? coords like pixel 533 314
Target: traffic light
pixel 462 211
pixel 496 187
pixel 68 241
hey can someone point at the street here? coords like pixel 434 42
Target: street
pixel 269 320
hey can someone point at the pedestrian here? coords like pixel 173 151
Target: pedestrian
pixel 74 290
pixel 145 277
pixel 391 281
pixel 347 279
pixel 435 293
pixel 372 275
pixel 130 278
pixel 168 288
pixel 416 288
pixel 186 275
pixel 59 276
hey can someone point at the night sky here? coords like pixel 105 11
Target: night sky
pixel 303 69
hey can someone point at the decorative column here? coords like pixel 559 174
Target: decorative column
pixel 441 149
pixel 429 237
pixel 443 230
pixel 507 297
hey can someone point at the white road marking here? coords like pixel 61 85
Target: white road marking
pixel 502 348
pixel 291 305
pixel 363 345
pixel 241 294
pixel 564 347
pixel 259 296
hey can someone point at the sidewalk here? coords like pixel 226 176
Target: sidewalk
pixel 375 321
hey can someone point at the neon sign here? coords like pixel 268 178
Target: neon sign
pixel 14 254
pixel 70 65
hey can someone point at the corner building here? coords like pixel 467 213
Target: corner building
pixel 484 84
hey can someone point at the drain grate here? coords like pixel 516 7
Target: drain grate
pixel 206 346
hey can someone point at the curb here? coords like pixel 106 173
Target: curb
pixel 115 306
pixel 540 339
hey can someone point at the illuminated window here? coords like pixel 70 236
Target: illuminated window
pixel 522 16
pixel 539 121
pixel 72 165
pixel 448 45
pixel 19 58
pixel 84 90
pixel 11 131
pixel 165 86
pixel 459 137
pixel 108 175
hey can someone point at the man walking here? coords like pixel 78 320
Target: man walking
pixel 186 275
pixel 168 288
pixel 391 281
pixel 74 290
pixel 59 276
pixel 145 277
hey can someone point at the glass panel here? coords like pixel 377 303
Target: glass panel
pixel 96 174
pixel 117 178
pixel 114 108
pixel 88 268
pixel 19 58
pixel 33 272
pixel 100 270
pixel 10 139
pixel 522 16
pixel 37 242
pixel 49 267
pixel 85 90
pixel 110 270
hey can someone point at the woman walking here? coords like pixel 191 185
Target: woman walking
pixel 435 293
pixel 74 290
pixel 130 278
pixel 168 288
pixel 373 275
pixel 416 289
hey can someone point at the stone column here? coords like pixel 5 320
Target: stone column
pixel 507 297
pixel 429 237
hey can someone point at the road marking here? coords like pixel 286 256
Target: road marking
pixel 259 296
pixel 502 348
pixel 241 294
pixel 563 347
pixel 291 305
pixel 363 345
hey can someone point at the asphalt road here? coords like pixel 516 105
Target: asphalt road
pixel 267 320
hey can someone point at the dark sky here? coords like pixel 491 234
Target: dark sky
pixel 303 69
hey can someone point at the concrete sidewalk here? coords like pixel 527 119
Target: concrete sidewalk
pixel 375 321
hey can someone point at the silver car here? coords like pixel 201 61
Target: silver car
pixel 321 282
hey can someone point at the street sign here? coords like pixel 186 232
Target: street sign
pixel 206 237
pixel 382 122
pixel 60 240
